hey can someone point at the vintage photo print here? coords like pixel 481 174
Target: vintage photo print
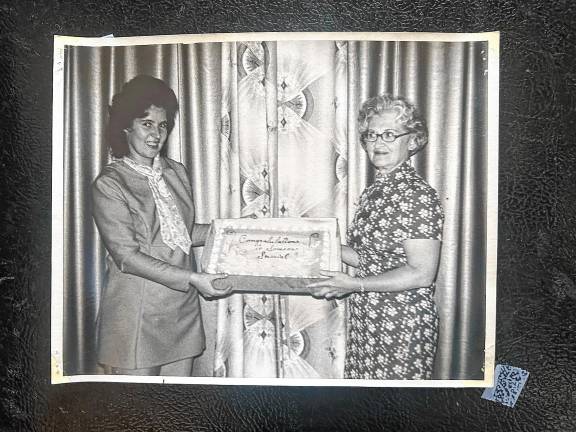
pixel 311 209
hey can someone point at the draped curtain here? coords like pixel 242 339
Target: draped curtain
pixel 269 129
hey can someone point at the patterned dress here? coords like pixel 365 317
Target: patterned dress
pixel 392 335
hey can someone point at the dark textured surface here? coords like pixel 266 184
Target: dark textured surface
pixel 537 242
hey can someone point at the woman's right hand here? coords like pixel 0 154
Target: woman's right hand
pixel 203 283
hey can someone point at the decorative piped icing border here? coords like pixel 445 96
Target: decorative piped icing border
pixel 326 227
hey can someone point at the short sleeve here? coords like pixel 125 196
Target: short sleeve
pixel 421 214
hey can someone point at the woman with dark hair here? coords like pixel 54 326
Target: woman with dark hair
pixel 394 241
pixel 149 319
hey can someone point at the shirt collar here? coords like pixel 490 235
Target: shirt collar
pixel 159 162
pixel 402 171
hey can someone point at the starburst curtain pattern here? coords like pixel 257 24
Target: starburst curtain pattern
pixel 269 129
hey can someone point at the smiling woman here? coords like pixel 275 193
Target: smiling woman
pixel 147 135
pixel 149 319
pixel 394 241
pixel 389 148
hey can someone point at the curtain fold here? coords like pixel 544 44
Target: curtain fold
pixel 270 129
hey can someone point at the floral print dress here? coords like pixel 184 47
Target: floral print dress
pixel 392 335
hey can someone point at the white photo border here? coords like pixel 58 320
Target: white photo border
pixel 57 259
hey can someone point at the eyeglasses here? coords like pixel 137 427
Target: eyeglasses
pixel 387 136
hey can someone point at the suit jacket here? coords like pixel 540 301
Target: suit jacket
pixel 149 314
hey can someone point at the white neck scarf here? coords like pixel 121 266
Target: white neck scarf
pixel 172 228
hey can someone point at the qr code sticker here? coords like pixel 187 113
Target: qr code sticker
pixel 508 384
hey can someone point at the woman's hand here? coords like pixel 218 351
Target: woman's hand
pixel 203 283
pixel 337 285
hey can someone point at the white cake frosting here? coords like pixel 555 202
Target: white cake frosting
pixel 272 247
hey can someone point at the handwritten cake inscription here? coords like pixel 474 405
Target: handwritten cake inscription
pixel 275 253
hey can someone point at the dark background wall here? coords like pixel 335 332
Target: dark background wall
pixel 537 242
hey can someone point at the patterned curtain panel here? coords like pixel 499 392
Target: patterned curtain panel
pixel 268 129
pixel 284 157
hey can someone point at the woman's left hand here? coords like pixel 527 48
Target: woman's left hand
pixel 337 285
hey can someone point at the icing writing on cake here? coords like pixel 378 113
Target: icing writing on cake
pixel 280 254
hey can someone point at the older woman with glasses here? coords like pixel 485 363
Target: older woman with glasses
pixel 394 241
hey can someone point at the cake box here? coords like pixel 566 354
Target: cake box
pixel 271 255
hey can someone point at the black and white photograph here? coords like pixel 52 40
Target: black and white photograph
pixel 311 209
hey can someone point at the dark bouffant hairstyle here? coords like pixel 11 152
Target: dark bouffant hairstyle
pixel 137 95
pixel 408 115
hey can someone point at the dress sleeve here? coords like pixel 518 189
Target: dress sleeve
pixel 421 214
pixel 114 222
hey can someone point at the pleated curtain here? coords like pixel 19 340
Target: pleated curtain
pixel 269 129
